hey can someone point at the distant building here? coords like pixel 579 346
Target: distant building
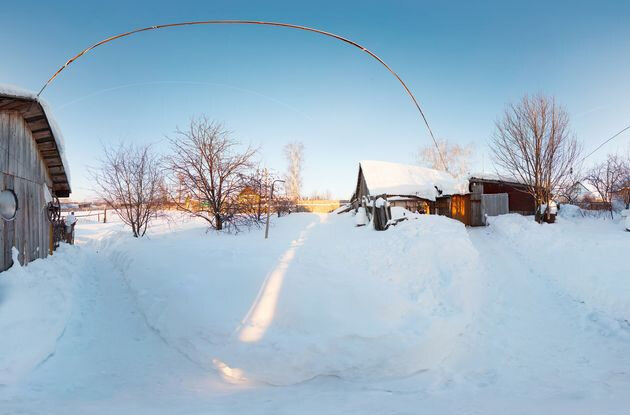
pixel 518 197
pixel 412 187
pixel 582 191
pixel 33 172
pixel 423 190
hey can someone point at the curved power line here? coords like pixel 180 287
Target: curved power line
pixel 254 22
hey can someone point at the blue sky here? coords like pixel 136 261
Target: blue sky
pixel 463 60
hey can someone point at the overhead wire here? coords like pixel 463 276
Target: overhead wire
pixel 255 22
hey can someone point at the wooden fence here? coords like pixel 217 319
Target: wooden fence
pixel 99 214
pixel 495 204
pixel 467 209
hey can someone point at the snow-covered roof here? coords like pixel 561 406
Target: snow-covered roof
pixel 12 91
pixel 493 177
pixel 583 190
pixel 383 177
pixel 588 187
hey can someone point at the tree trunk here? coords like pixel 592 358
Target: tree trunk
pixel 218 222
pixel 537 214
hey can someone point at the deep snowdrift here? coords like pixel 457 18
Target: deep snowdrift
pixel 514 317
pixel 35 304
pixel 586 257
pixel 333 300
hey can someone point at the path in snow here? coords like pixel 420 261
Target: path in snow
pixel 534 338
pixel 107 356
pixel 532 349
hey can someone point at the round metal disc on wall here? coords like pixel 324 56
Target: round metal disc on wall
pixel 8 204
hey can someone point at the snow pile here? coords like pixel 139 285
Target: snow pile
pixel 361 218
pixel 525 316
pixel 35 303
pixel 578 254
pixel 325 298
pixel 15 91
pixel 400 179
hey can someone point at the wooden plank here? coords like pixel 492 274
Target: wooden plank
pixel 11 146
pixel 33 118
pixel 5 261
pixel 477 217
pixel 33 110
pixel 41 134
pixel 14 105
pixel 495 204
pixel 4 148
pixel 38 125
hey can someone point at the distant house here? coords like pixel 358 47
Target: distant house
pixel 417 189
pixel 582 191
pixel 412 187
pixel 424 190
pixel 33 172
pixel 250 199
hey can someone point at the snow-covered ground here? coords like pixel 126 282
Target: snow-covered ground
pixel 324 317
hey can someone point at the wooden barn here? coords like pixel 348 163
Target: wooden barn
pixel 33 174
pixel 516 195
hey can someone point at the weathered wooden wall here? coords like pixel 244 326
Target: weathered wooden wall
pixel 519 201
pixel 467 209
pixel 495 204
pixel 22 170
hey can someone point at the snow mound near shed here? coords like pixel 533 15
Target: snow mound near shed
pixel 35 305
pixel 352 302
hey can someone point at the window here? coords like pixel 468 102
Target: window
pixel 8 204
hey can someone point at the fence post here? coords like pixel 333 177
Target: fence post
pixel 51 239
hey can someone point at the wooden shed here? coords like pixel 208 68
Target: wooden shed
pixel 32 173
pixel 519 200
pixel 415 188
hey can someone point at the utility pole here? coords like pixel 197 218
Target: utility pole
pixel 269 205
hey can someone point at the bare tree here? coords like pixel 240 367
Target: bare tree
pixel 570 191
pixel 456 157
pixel 294 153
pixel 130 181
pixel 606 177
pixel 317 195
pixel 207 165
pixel 254 193
pixel 533 145
pixel 258 188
